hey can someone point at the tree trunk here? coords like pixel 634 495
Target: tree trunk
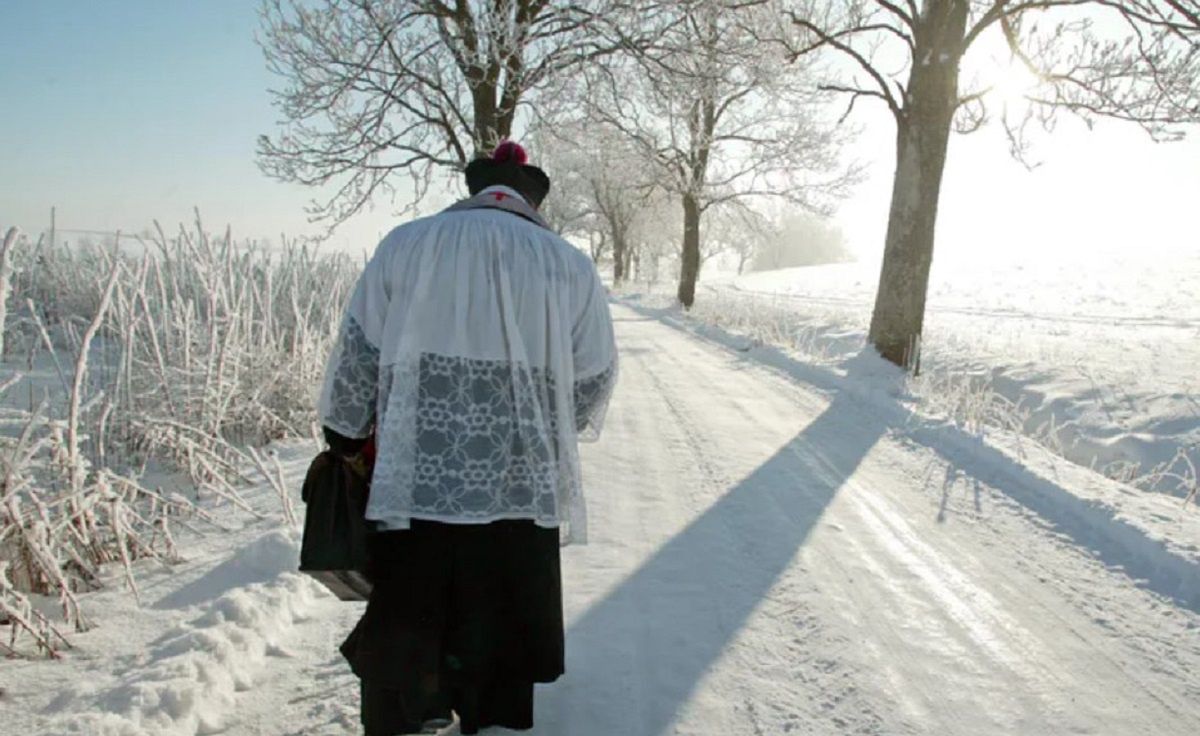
pixel 491 126
pixel 922 136
pixel 618 260
pixel 598 248
pixel 689 270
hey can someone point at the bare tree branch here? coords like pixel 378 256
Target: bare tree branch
pixel 834 40
pixel 375 89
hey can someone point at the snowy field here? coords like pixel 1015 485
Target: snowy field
pixel 778 547
pixel 789 537
pixel 1094 353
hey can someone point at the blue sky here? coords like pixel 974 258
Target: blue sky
pixel 126 111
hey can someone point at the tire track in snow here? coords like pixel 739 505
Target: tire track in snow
pixel 798 404
pixel 827 685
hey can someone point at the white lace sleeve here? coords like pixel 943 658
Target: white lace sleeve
pixel 349 397
pixel 595 353
pixel 591 402
pixel 352 383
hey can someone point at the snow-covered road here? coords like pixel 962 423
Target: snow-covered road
pixel 776 554
pixel 771 557
pixel 766 558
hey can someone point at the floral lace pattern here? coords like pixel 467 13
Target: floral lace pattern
pixel 349 407
pixel 462 438
pixel 591 399
pixel 481 450
pixel 473 439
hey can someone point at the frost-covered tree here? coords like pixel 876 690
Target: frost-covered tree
pixel 718 116
pixel 569 210
pixel 372 89
pixel 602 184
pixel 736 229
pixel 657 243
pixel 928 62
pixel 618 206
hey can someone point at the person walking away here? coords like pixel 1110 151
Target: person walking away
pixel 477 350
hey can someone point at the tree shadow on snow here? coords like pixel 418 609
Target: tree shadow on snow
pixel 657 627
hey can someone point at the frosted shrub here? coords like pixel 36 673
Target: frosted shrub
pixel 184 352
pixel 207 345
pixel 7 245
pixel 1179 473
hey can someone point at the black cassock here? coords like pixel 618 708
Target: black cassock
pixel 462 616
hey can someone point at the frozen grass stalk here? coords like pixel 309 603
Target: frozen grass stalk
pixel 6 248
pixel 187 356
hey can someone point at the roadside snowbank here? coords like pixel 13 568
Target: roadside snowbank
pixel 188 680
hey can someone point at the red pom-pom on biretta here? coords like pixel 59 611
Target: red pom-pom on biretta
pixel 510 151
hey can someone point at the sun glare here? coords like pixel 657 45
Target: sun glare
pixel 1012 82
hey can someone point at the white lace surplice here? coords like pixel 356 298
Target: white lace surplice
pixel 479 347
